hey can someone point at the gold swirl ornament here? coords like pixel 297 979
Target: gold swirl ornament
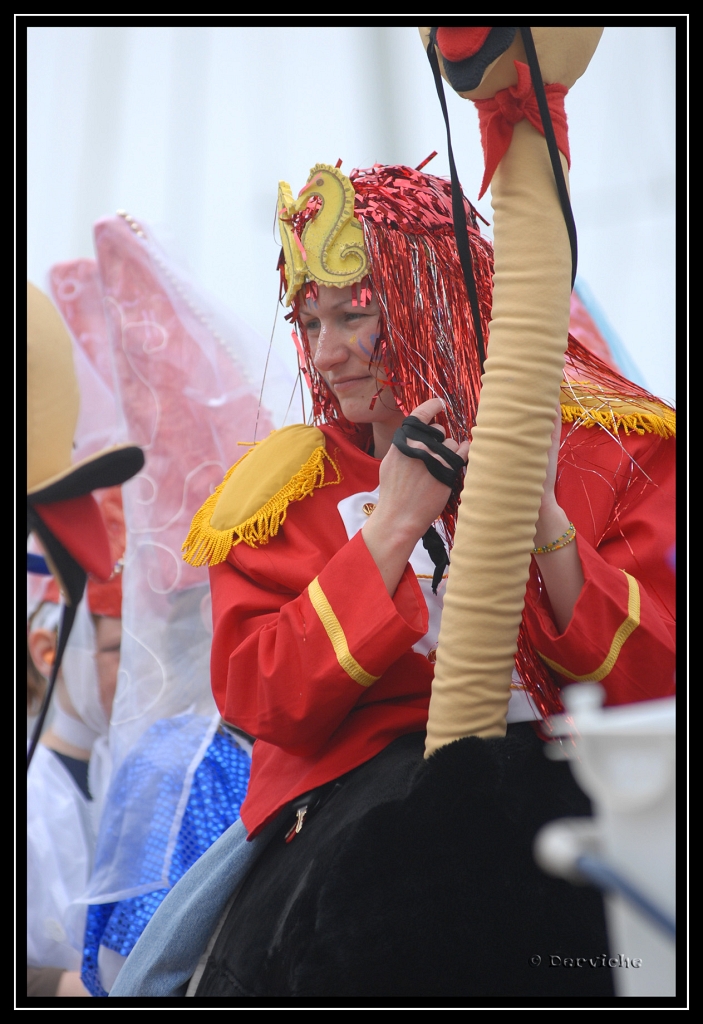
pixel 331 250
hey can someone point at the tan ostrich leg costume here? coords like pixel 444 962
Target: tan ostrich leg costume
pixel 519 396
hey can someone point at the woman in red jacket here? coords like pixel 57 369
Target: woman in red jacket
pixel 329 548
pixel 335 608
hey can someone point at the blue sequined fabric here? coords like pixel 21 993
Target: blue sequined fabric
pixel 218 790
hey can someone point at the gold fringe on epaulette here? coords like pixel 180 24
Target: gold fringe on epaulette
pixel 639 421
pixel 206 545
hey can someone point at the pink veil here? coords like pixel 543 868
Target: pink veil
pixel 185 381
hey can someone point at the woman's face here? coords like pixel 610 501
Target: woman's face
pixel 342 340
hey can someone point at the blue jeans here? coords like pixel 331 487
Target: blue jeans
pixel 166 955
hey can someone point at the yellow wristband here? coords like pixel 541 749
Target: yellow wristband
pixel 560 542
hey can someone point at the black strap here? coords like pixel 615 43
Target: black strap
pixel 434 545
pixel 461 230
pixel 414 429
pixel 67 616
pixel 538 86
pixel 72 578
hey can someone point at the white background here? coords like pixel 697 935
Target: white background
pixel 189 129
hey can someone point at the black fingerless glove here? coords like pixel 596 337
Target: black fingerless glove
pixel 414 429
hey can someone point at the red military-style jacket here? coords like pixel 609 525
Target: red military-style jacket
pixel 313 657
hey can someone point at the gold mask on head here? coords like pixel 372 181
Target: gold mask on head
pixel 331 249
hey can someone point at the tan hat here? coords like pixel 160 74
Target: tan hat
pixel 52 414
pixel 60 505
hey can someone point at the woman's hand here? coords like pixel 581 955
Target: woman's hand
pixel 410 500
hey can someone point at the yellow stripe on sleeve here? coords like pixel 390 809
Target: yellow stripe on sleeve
pixel 338 640
pixel 628 626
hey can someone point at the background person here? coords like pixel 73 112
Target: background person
pixel 61 819
pixel 179 379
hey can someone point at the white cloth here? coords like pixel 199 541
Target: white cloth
pixel 351 510
pixel 520 708
pixel 60 843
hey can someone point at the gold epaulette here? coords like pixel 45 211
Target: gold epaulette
pixel 589 404
pixel 252 501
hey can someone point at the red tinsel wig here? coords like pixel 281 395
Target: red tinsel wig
pixel 426 346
